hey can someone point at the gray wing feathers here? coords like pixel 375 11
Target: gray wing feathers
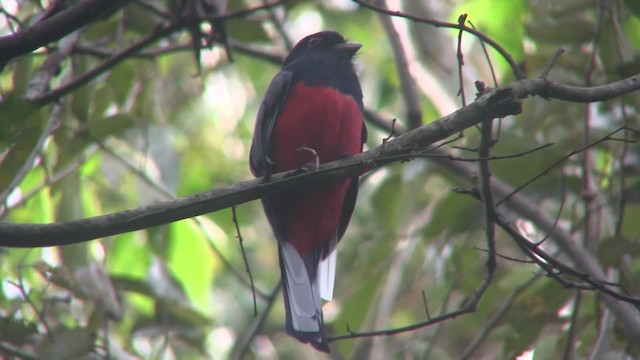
pixel 304 295
pixel 273 101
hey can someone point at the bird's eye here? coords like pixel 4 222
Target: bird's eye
pixel 314 41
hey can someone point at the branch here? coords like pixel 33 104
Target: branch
pixel 54 28
pixel 553 90
pixel 514 66
pixel 496 103
pixel 53 95
pixel 161 31
pixel 400 44
pixel 522 205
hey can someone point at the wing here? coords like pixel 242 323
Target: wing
pixel 273 102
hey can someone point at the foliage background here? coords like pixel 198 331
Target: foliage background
pixel 155 126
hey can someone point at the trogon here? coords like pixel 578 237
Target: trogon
pixel 312 113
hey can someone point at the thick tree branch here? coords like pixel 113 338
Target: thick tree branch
pixel 161 31
pixel 553 90
pixel 54 28
pixel 496 103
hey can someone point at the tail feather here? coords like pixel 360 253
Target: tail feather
pixel 302 299
pixel 327 275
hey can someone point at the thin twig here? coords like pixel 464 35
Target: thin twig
pixel 493 321
pixel 13 351
pixel 428 154
pixel 160 32
pixel 573 324
pixel 54 28
pixel 560 161
pixel 30 159
pixel 32 305
pixel 484 150
pixel 244 258
pixel 551 64
pixel 622 198
pixel 462 19
pixel 552 266
pixel 163 191
pixel 514 66
pixel 50 180
pixel 242 346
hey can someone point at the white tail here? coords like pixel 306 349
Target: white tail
pixel 327 275
pixel 303 295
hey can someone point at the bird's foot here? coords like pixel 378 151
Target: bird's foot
pixel 312 165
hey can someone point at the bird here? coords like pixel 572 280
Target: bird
pixel 312 113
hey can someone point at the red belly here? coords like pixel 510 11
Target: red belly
pixel 330 123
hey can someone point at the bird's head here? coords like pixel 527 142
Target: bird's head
pixel 328 42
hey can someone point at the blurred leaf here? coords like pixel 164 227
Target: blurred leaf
pixel 190 250
pixel 387 200
pixel 184 314
pixel 493 17
pixel 22 71
pixel 139 20
pixel 355 310
pixel 12 329
pixel 131 284
pixel 611 251
pixel 535 309
pixel 629 69
pixel 454 214
pixel 121 80
pixel 634 6
pixel 574 31
pixel 246 31
pixel 243 29
pixel 60 276
pixel 630 225
pixel 111 125
pixel 82 99
pixel 22 129
pixel 66 344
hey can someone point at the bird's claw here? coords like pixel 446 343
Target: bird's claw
pixel 314 165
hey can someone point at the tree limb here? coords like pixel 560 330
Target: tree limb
pixel 496 103
pixel 54 28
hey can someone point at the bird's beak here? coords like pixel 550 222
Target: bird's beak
pixel 349 49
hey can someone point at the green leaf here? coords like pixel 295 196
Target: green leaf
pixel 13 329
pixel 455 213
pixel 22 129
pixel 121 80
pixel 22 72
pixel 573 31
pixel 634 6
pixel 189 250
pixel 66 344
pixel 355 310
pixel 493 17
pixel 387 201
pixel 81 99
pixel 631 225
pixel 112 125
pixel 246 30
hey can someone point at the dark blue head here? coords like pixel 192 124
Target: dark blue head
pixel 328 43
pixel 324 59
